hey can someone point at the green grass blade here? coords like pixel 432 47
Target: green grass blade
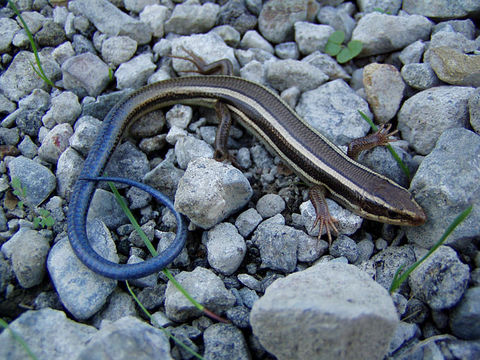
pixel 399 279
pixel 18 339
pixel 144 309
pixel 399 161
pixel 40 71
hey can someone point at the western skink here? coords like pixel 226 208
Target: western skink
pixel 310 155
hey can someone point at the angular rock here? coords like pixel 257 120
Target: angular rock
pixel 37 180
pixel 118 49
pixel 49 334
pixel 455 152
pixel 135 72
pixel 284 74
pixel 441 280
pixel 277 18
pixel 338 102
pixel 55 143
pixel 381 33
pixel 426 115
pixel 85 74
pixel 205 287
pixel 224 341
pixel 111 21
pixel 465 318
pixel 311 37
pixel 441 9
pixel 192 18
pixel 211 191
pixel 21 68
pixel 82 291
pixel 328 311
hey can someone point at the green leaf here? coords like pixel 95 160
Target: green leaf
pixel 332 49
pixel 49 221
pixel 36 222
pixel 355 47
pixel 344 55
pixel 337 37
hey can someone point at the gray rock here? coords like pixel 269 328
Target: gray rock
pixel 347 223
pixel 55 143
pixel 224 341
pixel 204 286
pixel 238 315
pixel 344 246
pixel 247 221
pixel 381 33
pixel 284 74
pixel 149 230
pixel 20 68
pixel 164 240
pixel 449 38
pixel 154 16
pixel 287 50
pixel 82 291
pixel 27 147
pixel 270 205
pixel 120 304
pixel 248 297
pixel 235 13
pixel 69 165
pixel 49 334
pixel 189 148
pixel 277 245
pixel 250 282
pixel 6 275
pixel 8 28
pixel 277 18
pixel 310 248
pixel 65 109
pixel 465 27
pixel 474 110
pixel 226 248
pixel 327 65
pixel 336 101
pixel 51 34
pixel 426 115
pixel 464 349
pixel 149 125
pixel 441 280
pixel 85 74
pixel 383 266
pixel 404 333
pixel 165 178
pixel 111 21
pixel 146 281
pixel 384 88
pixel 9 136
pixel 125 336
pixel 86 131
pixel 99 107
pixel 192 18
pixel 332 303
pixel 311 37
pixel 229 34
pixel 252 39
pixel 412 53
pixel 339 18
pixel 37 180
pixel 365 250
pixel 442 9
pixel 210 47
pixel 442 193
pixel 6 106
pixel 211 191
pixel 135 72
pixel 387 6
pixel 464 320
pixel 127 162
pixel 27 251
pixel 105 207
pixel 454 67
pixel 420 76
pixel 118 49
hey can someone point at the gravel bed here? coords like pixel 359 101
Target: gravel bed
pixel 252 255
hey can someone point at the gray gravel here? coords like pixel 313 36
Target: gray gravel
pixel 252 225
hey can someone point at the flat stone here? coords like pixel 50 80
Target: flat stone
pixel 441 9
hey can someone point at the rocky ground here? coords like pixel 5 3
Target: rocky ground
pixel 251 255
